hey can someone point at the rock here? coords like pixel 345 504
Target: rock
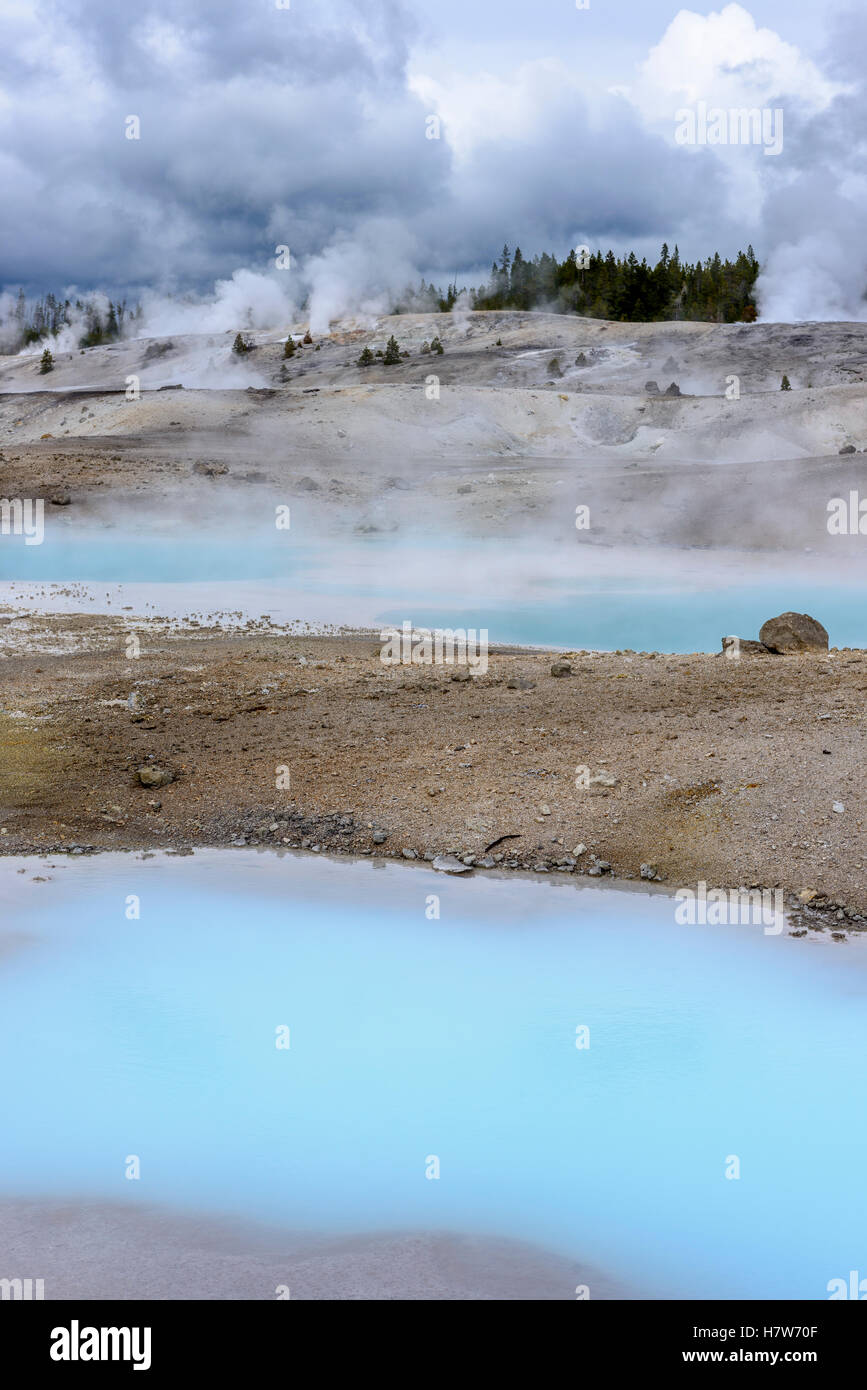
pixel 602 780
pixel 544 810
pixel 520 683
pixel 599 867
pixel 308 485
pixel 155 776
pixel 379 837
pixel 448 864
pixel 60 499
pixel 652 388
pixel 209 470
pixel 465 488
pixel 746 646
pixel 489 862
pixel 561 668
pixel 579 850
pixel 409 854
pixel 807 895
pixel 848 449
pixel 648 871
pixel 462 675
pixel 794 632
pixel 673 389
pixel 158 350
pixel 838 807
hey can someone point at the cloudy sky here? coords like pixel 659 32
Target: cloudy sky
pixel 308 126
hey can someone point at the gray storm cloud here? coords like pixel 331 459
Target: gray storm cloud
pixel 263 127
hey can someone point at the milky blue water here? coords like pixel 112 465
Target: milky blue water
pixel 412 1037
pixel 567 597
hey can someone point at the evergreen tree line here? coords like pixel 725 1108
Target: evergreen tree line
pixel 608 287
pixel 46 317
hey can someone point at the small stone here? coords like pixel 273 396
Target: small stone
pixel 838 807
pixel 579 850
pixel 807 895
pixel 489 862
pixel 848 449
pixel 561 668
pixel 209 469
pixel 448 864
pixel 155 776
pixel 409 854
pixel 648 871
pixel 379 837
pixel 544 810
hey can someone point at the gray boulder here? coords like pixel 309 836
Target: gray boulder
pixel 794 632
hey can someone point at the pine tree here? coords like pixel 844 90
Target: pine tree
pixel 785 384
pixel 289 347
pixel 46 363
pixel 366 358
pixel 392 352
pixel 241 345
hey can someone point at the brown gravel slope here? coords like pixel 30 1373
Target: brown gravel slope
pixel 726 771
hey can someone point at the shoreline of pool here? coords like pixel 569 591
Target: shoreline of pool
pixel 100 1250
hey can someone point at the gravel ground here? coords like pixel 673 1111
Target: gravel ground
pixel 699 768
pixel 97 1251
